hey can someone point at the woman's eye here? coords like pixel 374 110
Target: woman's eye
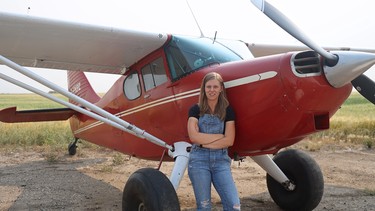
pixel 212 87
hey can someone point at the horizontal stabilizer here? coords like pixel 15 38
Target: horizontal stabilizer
pixel 11 115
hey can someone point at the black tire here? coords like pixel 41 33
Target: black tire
pixel 72 148
pixel 149 190
pixel 305 173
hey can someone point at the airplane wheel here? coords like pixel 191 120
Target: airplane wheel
pixel 149 189
pixel 305 173
pixel 72 148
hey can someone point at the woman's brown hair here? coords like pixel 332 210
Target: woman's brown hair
pixel 222 104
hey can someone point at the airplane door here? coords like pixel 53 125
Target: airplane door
pixel 159 101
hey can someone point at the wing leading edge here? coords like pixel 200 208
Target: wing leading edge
pixel 46 43
pixel 259 50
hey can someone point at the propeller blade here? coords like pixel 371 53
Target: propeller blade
pixel 365 86
pixel 280 19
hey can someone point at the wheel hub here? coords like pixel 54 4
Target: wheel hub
pixel 289 185
pixel 142 207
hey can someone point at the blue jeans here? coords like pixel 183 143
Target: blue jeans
pixel 212 165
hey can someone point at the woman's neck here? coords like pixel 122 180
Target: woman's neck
pixel 212 105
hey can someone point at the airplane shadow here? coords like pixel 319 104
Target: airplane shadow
pixel 59 186
pixel 334 198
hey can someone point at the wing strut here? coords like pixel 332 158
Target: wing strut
pixel 100 115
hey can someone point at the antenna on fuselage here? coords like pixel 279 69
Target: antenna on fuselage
pixel 187 2
pixel 214 38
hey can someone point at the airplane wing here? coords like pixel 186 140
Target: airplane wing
pixel 259 50
pixel 46 43
pixel 11 115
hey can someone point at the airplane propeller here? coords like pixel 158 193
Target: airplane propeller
pixel 286 24
pixel 364 85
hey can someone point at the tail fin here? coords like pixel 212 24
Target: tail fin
pixel 79 85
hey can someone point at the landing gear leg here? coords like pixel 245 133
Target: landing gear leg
pixel 72 148
pixel 294 179
pixel 181 158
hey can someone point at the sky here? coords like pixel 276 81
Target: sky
pixel 331 23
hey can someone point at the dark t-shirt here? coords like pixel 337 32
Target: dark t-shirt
pixel 230 115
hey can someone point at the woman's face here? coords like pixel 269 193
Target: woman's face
pixel 213 89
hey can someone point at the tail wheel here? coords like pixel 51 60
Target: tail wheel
pixel 305 173
pixel 149 190
pixel 72 147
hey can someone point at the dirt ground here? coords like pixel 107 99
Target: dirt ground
pixel 94 180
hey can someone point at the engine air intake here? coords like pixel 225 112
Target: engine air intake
pixel 307 62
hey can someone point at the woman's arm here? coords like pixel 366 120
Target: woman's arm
pixel 227 140
pixel 200 138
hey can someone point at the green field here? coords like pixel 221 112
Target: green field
pixel 28 101
pixel 56 134
pixel 353 123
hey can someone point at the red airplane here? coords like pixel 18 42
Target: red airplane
pixel 280 97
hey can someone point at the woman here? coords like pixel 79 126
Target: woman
pixel 211 130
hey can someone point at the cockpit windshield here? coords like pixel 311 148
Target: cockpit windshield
pixel 186 55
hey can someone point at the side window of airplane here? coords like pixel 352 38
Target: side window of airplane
pixel 132 87
pixel 154 74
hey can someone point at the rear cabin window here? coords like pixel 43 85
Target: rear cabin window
pixel 154 74
pixel 132 88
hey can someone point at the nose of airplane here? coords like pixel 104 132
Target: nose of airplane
pixel 341 67
pixel 350 65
